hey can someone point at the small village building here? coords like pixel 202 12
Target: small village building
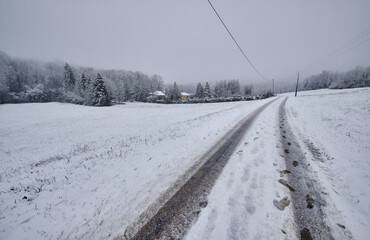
pixel 158 94
pixel 185 96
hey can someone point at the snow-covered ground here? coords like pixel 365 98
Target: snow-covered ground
pixel 71 171
pixel 335 126
pixel 241 204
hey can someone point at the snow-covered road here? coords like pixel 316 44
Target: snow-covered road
pixel 176 215
pixel 240 205
pixel 332 131
pixel 72 171
pixel 79 172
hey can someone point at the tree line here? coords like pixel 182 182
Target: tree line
pixel 24 81
pixel 34 81
pixel 222 91
pixel 358 77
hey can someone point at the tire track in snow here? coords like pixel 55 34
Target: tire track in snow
pixel 306 200
pixel 173 219
pixel 253 171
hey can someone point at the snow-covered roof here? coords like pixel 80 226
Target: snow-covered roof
pixel 185 94
pixel 158 93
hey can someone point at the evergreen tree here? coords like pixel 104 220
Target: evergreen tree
pixel 175 93
pixel 69 78
pixel 207 91
pixel 100 96
pixel 221 89
pixel 200 91
pixel 83 82
pixel 217 91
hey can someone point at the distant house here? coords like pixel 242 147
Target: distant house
pixel 185 96
pixel 158 94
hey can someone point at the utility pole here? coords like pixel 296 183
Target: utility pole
pixel 296 87
pixel 273 87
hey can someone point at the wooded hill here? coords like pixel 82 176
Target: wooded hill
pixel 35 81
pixel 358 77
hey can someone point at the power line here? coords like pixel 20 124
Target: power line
pixel 340 48
pixel 241 50
pixel 353 47
pixel 358 37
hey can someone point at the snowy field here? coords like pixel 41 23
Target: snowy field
pixel 335 126
pixel 71 171
pixel 335 132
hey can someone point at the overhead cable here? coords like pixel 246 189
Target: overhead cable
pixel 342 48
pixel 241 50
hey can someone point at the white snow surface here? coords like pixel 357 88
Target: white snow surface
pixel 240 206
pixel 71 171
pixel 337 123
pixel 89 172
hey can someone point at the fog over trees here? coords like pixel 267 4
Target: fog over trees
pixel 358 77
pixel 34 81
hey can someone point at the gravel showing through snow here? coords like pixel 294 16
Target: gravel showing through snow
pixel 335 128
pixel 305 189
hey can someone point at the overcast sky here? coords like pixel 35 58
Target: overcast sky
pixel 184 41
